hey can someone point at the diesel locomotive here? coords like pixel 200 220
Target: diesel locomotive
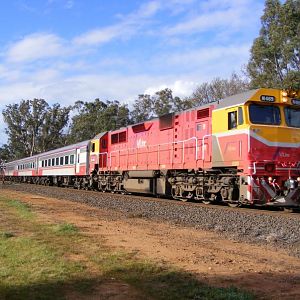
pixel 242 150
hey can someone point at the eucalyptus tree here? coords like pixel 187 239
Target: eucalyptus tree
pixel 91 118
pixel 33 126
pixel 275 53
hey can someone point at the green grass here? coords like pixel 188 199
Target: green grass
pixel 65 228
pixel 21 208
pixel 37 262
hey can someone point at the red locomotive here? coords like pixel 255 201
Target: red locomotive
pixel 244 149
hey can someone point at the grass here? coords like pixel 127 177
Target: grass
pixel 22 209
pixel 163 282
pixel 48 261
pixel 65 228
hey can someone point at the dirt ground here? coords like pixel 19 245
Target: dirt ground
pixel 269 273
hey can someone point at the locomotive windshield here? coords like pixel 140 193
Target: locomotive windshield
pixel 264 114
pixel 292 116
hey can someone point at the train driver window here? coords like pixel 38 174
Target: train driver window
pixel 232 120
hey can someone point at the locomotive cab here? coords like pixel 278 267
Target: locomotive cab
pixel 261 139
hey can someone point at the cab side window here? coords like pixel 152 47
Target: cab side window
pixel 240 116
pixel 232 120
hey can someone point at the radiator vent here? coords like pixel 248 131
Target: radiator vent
pixel 203 113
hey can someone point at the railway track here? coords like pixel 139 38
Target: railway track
pixel 275 228
pixel 264 210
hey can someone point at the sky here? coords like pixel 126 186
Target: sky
pixel 69 50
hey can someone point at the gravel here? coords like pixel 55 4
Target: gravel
pixel 254 226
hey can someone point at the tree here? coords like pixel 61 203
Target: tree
pixel 162 102
pixel 95 117
pixel 275 54
pixel 142 109
pixel 33 126
pixel 5 153
pixel 218 89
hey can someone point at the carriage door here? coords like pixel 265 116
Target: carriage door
pixel 77 161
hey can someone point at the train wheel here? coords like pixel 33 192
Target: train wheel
pixel 206 201
pixel 290 210
pixel 234 203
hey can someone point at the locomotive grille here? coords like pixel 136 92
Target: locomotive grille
pixel 203 113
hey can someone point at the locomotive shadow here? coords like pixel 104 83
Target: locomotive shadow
pixel 138 283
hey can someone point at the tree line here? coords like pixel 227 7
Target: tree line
pixel 34 126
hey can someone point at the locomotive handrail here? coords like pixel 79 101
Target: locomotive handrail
pixel 254 168
pixel 203 143
pixel 158 150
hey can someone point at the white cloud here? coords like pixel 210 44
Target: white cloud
pixel 69 4
pixel 128 26
pixel 180 88
pixel 220 14
pixel 36 46
pixel 101 36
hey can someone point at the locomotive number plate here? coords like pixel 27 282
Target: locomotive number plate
pixel 266 98
pixel 296 101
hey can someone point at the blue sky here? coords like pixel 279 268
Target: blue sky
pixel 68 50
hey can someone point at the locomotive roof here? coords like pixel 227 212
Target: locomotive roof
pixel 240 98
pixel 100 135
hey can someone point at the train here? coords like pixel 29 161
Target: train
pixel 242 150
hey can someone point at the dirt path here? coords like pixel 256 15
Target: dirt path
pixel 269 273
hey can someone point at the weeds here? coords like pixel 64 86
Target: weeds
pixel 66 228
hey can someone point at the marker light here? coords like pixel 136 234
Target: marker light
pixel 284 96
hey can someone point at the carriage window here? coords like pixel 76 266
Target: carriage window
pixel 264 114
pixel 49 162
pixel 53 162
pixel 93 147
pixel 66 160
pixel 232 119
pixel 61 161
pixel 43 164
pixel 57 161
pixel 72 159
pixel 46 163
pixel 292 117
